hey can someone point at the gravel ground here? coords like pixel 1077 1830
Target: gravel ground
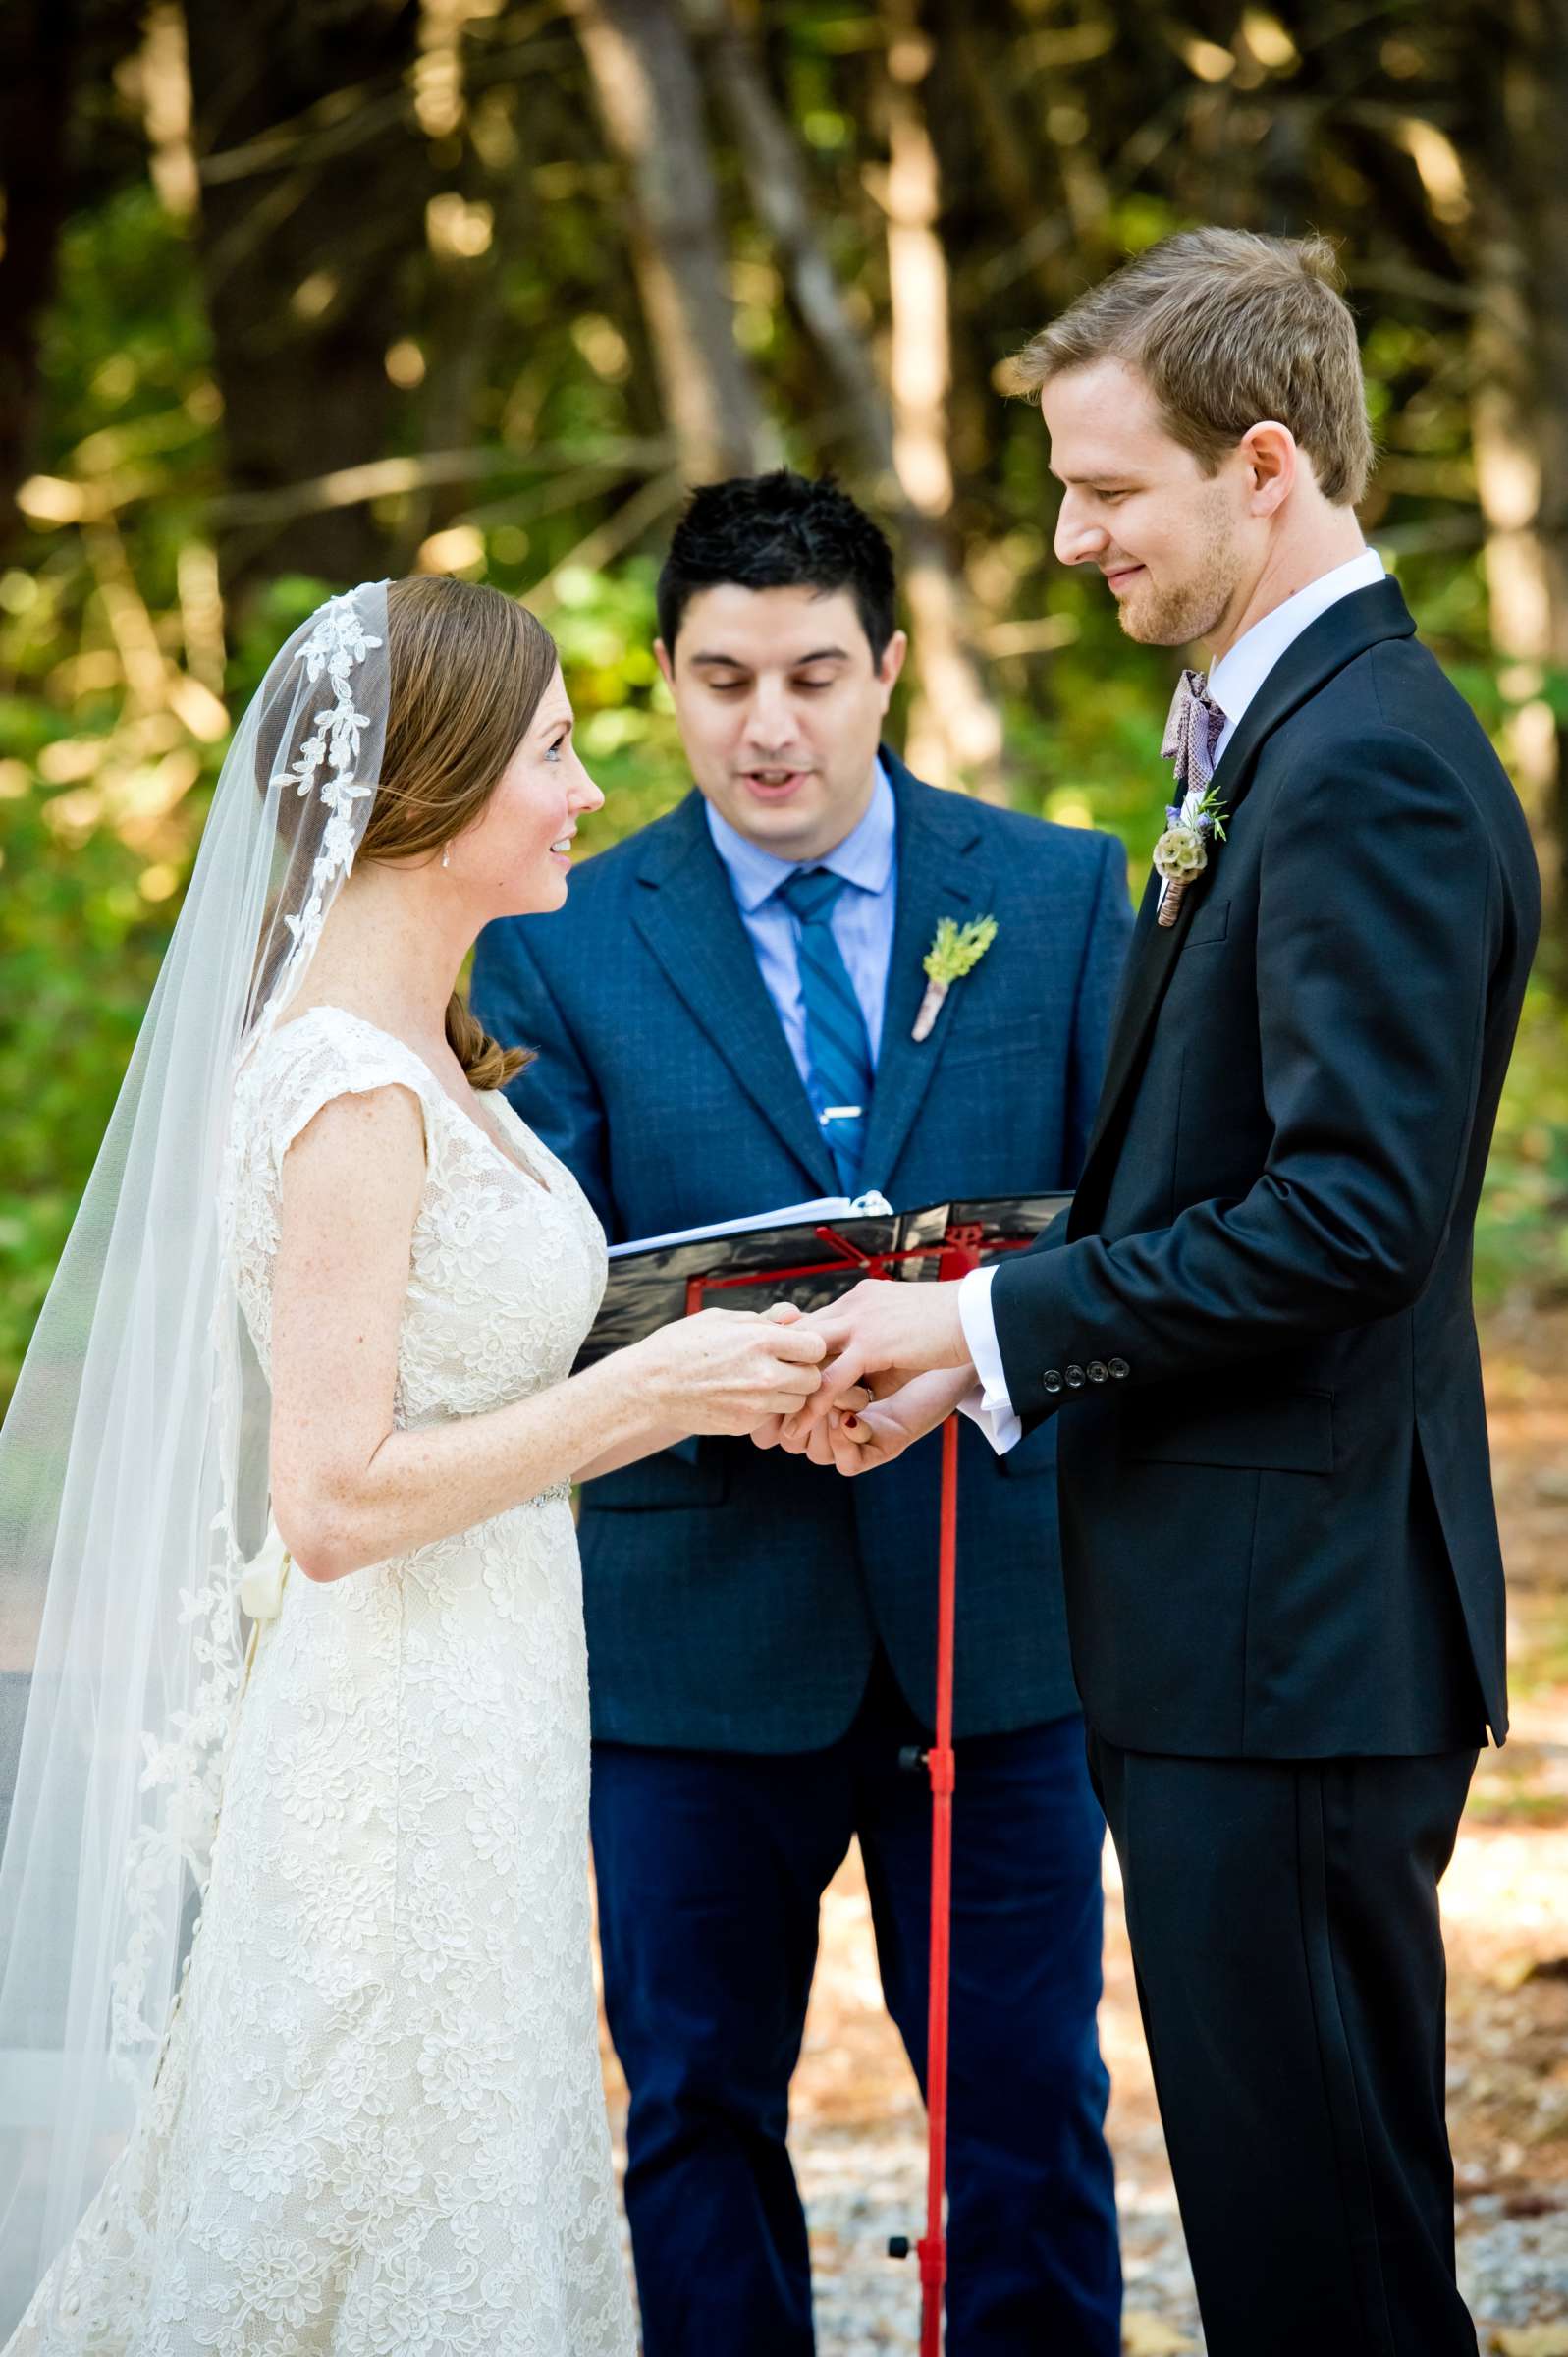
pixel 858 2130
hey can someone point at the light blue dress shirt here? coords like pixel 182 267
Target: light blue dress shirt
pixel 862 917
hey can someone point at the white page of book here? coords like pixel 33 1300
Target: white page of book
pixel 792 1215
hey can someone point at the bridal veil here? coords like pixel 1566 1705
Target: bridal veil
pixel 132 1464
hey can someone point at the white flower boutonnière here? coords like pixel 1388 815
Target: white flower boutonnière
pixel 955 952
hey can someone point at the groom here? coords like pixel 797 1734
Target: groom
pixel 723 1015
pixel 1283 1579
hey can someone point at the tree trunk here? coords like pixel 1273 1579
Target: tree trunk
pixel 308 237
pixel 955 730
pixel 39 45
pixel 1508 481
pixel 780 190
pixel 645 83
pixel 963 745
pixel 1537 96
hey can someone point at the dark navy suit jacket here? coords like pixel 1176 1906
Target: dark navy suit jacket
pixel 1278 1518
pixel 733 1596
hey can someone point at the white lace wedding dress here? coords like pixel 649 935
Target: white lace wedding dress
pixel 378 2125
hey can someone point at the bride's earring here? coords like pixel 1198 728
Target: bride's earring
pixel 446 856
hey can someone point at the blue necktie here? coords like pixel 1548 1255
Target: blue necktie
pixel 837 1046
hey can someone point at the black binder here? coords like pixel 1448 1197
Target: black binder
pixel 807 1260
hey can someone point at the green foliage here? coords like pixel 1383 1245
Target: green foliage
pixel 85 909
pixel 110 652
pixel 605 626
pixel 79 947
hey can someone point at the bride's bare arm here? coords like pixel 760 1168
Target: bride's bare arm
pixel 349 1487
pixel 647 1443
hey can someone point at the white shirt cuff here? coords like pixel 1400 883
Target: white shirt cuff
pixel 989 1404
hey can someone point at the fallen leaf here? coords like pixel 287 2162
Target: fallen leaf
pixel 1147 2336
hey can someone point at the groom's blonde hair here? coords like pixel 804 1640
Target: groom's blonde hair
pixel 1227 328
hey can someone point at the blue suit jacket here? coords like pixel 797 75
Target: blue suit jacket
pixel 733 1596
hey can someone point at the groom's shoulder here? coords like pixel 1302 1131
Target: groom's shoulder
pixel 1414 694
pixel 1390 740
pixel 1395 687
pixel 1393 705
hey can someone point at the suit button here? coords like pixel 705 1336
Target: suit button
pixel 1074 1379
pixel 1117 1369
pixel 1096 1370
pixel 1052 1379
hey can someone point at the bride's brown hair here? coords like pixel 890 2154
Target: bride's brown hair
pixel 468 667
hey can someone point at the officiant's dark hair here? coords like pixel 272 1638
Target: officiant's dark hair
pixel 1227 328
pixel 778 531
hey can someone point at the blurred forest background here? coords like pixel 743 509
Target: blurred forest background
pixel 300 291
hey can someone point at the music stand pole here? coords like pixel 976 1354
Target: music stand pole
pixel 957 1260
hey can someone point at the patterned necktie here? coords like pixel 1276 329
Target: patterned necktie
pixel 1194 728
pixel 838 1048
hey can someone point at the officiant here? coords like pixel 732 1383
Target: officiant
pixel 725 1019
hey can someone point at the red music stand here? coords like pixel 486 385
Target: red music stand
pixel 958 1253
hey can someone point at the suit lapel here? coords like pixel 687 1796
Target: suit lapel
pixel 686 915
pixel 937 876
pixel 1346 630
pixel 1151 955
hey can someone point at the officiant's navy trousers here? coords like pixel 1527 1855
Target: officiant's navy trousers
pixel 711 1867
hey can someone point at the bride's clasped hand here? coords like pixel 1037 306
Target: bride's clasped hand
pixel 728 1371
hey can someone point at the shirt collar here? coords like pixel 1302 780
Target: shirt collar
pixel 1237 677
pixel 864 857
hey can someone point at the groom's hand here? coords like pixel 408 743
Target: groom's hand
pixel 880 1326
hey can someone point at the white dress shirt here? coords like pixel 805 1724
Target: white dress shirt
pixel 1233 682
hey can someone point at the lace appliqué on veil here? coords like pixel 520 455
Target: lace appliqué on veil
pixel 186 1760
pixel 339 642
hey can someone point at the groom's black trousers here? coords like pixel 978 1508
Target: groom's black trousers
pixel 1284 1929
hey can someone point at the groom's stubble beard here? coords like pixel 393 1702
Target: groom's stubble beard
pixel 1184 612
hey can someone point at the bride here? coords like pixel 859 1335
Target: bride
pixel 294 1882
